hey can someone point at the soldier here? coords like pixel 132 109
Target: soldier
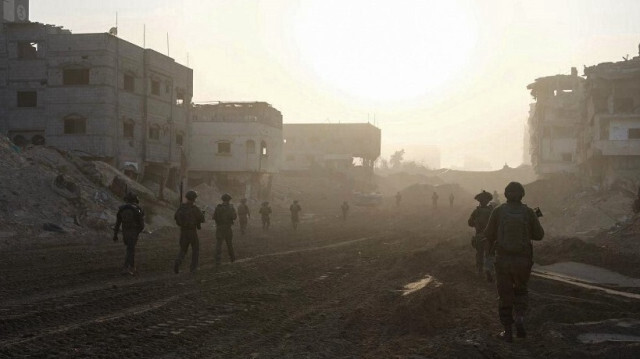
pixel 243 214
pixel 295 214
pixel 224 215
pixel 511 228
pixel 189 217
pixel 265 215
pixel 131 217
pixel 478 220
pixel 434 200
pixel 398 199
pixel 345 209
pixel 451 198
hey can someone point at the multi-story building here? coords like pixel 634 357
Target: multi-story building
pixel 342 147
pixel 554 122
pixel 237 146
pixel 95 95
pixel 611 135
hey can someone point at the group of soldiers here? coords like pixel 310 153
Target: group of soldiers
pixel 503 246
pixel 502 240
pixel 434 199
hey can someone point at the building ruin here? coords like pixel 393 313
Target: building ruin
pixel 95 95
pixel 237 146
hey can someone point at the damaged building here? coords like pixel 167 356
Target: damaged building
pixel 347 148
pixel 554 122
pixel 611 135
pixel 236 146
pixel 97 96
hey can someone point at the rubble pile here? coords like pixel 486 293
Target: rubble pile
pixel 43 190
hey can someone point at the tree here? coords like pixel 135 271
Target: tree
pixel 396 159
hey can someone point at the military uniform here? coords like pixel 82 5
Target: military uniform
pixel 265 215
pixel 224 215
pixel 345 210
pixel 295 214
pixel 189 217
pixel 243 216
pixel 131 217
pixel 510 230
pixel 478 220
pixel 434 200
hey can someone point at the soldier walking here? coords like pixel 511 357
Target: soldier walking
pixel 189 217
pixel 224 215
pixel 131 217
pixel 478 220
pixel 434 200
pixel 243 215
pixel 398 199
pixel 295 214
pixel 265 215
pixel 511 228
pixel 345 210
pixel 451 198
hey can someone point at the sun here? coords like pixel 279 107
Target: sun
pixel 385 50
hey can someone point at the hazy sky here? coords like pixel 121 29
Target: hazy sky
pixel 446 73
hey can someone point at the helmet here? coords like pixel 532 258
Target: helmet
pixel 131 197
pixel 483 197
pixel 191 195
pixel 514 191
pixel 225 197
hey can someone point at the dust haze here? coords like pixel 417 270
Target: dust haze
pixel 319 179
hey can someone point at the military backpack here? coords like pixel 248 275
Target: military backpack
pixel 513 230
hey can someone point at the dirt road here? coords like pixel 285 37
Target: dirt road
pixel 330 290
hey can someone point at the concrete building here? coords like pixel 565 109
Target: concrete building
pixel 611 135
pixel 554 123
pixel 344 147
pixel 237 146
pixel 95 95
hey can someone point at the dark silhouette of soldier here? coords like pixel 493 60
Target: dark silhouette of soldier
pixel 434 200
pixel 345 210
pixel 189 217
pixel 243 215
pixel 478 220
pixel 398 199
pixel 295 214
pixel 131 217
pixel 265 215
pixel 451 199
pixel 511 228
pixel 224 215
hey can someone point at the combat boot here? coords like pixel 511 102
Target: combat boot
pixel 520 332
pixel 507 334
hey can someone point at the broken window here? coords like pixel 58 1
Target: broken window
pixel 251 147
pixel 634 133
pixel 623 104
pixel 27 99
pixel 128 129
pixel 75 77
pixel 129 83
pixel 179 139
pixel 27 50
pixel 567 157
pixel 224 147
pixel 263 148
pixel 154 132
pixel 75 125
pixel 180 98
pixel 155 87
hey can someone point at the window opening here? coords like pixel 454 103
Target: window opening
pixel 27 99
pixel 128 129
pixel 155 87
pixel 75 77
pixel 634 133
pixel 27 50
pixel 251 146
pixel 75 125
pixel 129 83
pixel 154 132
pixel 224 147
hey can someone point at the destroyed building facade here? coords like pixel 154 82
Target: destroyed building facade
pixel 236 146
pixel 554 122
pixel 611 132
pixel 348 148
pixel 96 95
pixel 589 125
